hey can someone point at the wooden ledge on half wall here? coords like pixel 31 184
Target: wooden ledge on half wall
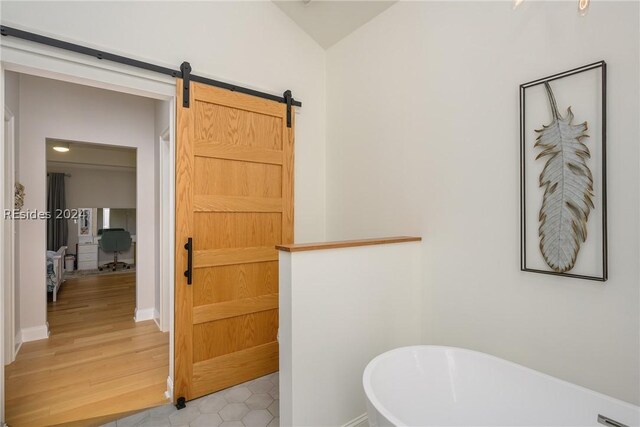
pixel 346 243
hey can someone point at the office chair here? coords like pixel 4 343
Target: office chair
pixel 102 230
pixel 115 241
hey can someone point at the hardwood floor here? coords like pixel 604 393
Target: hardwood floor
pixel 96 363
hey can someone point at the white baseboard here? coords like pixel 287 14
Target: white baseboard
pixel 17 343
pixel 169 393
pixel 34 333
pixel 143 314
pixel 360 421
pixel 156 318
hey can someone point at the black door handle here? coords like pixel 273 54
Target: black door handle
pixel 189 273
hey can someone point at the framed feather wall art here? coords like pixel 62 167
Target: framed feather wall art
pixel 563 182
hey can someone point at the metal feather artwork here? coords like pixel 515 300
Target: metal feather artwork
pixel 568 188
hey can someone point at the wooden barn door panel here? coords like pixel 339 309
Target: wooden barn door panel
pixel 234 180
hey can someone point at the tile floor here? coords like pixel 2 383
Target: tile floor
pixel 251 404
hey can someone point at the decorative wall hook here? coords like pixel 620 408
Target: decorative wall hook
pixel 19 196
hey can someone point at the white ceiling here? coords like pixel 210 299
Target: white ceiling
pixel 329 21
pixel 84 155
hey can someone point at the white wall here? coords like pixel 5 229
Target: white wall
pixel 53 109
pixel 423 138
pixel 250 43
pixel 99 187
pixel 339 308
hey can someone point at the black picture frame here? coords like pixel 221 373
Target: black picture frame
pixel 523 237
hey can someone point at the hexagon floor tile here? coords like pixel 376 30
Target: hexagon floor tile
pixel 254 403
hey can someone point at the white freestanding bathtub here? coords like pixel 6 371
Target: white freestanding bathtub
pixel 447 386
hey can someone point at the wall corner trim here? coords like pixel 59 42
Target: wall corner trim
pixel 144 314
pixel 17 345
pixel 34 333
pixel 156 318
pixel 169 393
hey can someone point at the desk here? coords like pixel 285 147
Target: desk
pixel 87 256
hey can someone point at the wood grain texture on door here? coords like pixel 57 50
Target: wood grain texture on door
pixel 234 198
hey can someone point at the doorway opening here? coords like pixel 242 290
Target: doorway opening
pixel 88 312
pixel 91 194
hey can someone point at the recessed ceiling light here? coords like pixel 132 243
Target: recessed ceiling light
pixel 62 147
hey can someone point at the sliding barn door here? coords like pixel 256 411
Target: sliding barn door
pixel 234 203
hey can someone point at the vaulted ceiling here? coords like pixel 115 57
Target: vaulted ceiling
pixel 328 22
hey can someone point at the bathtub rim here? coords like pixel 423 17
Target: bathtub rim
pixel 375 402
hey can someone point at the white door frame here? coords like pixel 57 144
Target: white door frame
pixel 8 251
pixel 2 356
pixel 167 223
pixel 28 58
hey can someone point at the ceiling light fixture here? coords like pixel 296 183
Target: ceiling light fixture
pixel 583 7
pixel 62 147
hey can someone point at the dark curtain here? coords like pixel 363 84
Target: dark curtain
pixel 57 229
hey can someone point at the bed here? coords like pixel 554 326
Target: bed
pixel 55 270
